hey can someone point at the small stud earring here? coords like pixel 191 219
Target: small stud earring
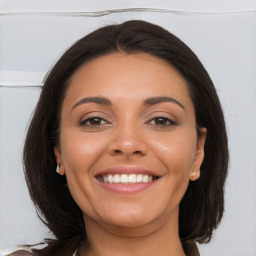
pixel 192 175
pixel 58 169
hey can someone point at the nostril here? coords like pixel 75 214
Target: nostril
pixel 127 148
pixel 117 151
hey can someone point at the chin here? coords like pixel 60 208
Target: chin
pixel 128 217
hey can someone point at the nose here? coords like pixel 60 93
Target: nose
pixel 128 142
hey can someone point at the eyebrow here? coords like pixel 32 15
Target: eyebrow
pixel 161 99
pixel 98 100
pixel 107 102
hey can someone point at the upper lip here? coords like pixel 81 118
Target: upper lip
pixel 127 170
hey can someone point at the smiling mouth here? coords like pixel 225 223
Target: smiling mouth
pixel 127 178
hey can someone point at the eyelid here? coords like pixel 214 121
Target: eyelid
pixel 82 122
pixel 170 123
pixel 163 114
pixel 98 114
pixel 173 122
pixel 92 115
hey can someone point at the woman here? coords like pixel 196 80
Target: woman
pixel 131 122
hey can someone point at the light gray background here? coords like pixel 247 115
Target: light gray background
pixel 33 34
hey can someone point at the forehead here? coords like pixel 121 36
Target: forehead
pixel 129 76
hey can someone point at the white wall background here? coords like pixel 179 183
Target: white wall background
pixel 33 34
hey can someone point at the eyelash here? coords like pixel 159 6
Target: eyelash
pixel 169 122
pixel 163 118
pixel 84 122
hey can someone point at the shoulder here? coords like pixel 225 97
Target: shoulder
pixel 22 251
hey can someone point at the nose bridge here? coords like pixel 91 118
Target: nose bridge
pixel 128 139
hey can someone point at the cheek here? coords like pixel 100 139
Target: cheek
pixel 177 152
pixel 178 157
pixel 80 151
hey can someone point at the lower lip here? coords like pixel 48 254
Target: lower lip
pixel 126 188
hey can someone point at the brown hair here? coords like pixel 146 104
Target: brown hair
pixel 202 206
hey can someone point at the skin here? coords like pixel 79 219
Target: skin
pixel 129 133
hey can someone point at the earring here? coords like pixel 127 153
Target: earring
pixel 58 169
pixel 192 175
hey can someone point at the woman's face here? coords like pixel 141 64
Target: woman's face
pixel 128 140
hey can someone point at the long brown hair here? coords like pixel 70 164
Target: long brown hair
pixel 202 206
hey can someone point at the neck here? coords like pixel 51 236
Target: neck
pixel 160 239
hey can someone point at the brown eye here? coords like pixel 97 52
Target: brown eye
pixel 162 121
pixel 93 121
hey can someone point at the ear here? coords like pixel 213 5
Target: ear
pixel 199 156
pixel 57 153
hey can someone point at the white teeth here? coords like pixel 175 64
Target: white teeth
pixel 110 178
pixel 145 179
pixel 124 178
pixel 132 178
pixel 127 178
pixel 139 178
pixel 116 178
